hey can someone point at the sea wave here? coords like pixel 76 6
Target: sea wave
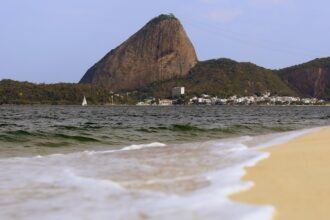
pixel 232 129
pixel 157 181
pixel 141 146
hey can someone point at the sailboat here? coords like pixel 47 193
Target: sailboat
pixel 84 103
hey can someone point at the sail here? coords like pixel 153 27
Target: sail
pixel 84 103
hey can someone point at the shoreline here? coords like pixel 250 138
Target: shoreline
pixel 294 179
pixel 187 174
pixel 195 173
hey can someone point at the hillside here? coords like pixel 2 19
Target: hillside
pixel 311 79
pixel 159 51
pixel 14 92
pixel 223 77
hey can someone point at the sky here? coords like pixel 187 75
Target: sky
pixel 50 41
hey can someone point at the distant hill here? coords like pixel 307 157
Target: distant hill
pixel 14 92
pixel 311 79
pixel 223 78
pixel 159 51
pixel 220 77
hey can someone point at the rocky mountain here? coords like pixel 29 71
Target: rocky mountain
pixel 161 56
pixel 223 77
pixel 311 79
pixel 159 51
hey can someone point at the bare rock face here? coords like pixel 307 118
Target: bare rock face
pixel 313 82
pixel 159 51
pixel 311 79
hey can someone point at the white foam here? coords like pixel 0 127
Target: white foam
pixel 141 146
pixel 81 185
pixel 131 147
pixel 228 181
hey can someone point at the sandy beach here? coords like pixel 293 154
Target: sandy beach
pixel 295 179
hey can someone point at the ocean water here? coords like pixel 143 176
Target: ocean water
pixel 69 162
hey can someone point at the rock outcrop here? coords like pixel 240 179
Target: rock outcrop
pixel 161 50
pixel 310 79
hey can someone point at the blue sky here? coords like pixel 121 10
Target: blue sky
pixel 58 40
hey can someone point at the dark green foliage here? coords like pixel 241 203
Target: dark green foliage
pixel 223 78
pixel 161 18
pixel 317 63
pixel 14 92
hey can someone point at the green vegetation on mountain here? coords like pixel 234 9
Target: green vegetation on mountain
pixel 316 63
pixel 161 18
pixel 223 78
pixel 14 92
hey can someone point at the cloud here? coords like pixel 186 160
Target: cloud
pixel 223 15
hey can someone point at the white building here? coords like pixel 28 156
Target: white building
pixel 165 102
pixel 177 92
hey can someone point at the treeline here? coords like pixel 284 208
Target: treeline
pixel 14 92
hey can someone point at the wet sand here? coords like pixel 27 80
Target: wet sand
pixel 295 179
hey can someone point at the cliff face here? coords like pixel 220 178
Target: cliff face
pixel 159 51
pixel 311 82
pixel 310 79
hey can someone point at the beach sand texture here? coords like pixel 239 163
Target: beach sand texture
pixel 295 179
